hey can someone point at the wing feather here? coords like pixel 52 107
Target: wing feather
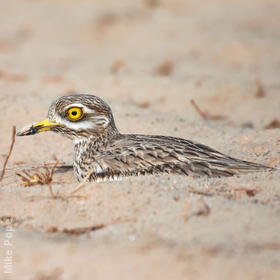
pixel 142 154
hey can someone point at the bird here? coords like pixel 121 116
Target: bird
pixel 102 153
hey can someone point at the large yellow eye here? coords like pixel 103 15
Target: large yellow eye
pixel 75 113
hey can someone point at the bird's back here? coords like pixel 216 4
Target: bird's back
pixel 128 155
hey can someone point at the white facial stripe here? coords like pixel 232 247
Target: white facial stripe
pixel 78 125
pixel 84 124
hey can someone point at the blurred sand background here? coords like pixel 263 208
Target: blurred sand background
pixel 147 59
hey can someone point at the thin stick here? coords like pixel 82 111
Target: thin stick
pixel 49 183
pixel 51 190
pixel 9 154
pixel 205 115
pixel 82 183
pixel 202 114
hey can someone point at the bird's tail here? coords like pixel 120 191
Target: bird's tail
pixel 228 167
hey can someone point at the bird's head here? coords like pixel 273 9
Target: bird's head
pixel 76 117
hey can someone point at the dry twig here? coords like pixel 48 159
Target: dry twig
pixel 39 177
pixel 198 110
pixel 205 193
pixel 9 153
pixel 248 192
pixel 76 231
pixel 82 183
pixel 205 115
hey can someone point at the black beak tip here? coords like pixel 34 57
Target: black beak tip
pixel 30 131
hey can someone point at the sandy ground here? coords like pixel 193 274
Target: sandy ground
pixel 147 59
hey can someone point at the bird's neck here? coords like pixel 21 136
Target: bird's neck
pixel 97 142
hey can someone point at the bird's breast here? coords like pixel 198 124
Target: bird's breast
pixel 85 161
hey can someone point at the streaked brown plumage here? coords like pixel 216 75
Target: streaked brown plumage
pixel 100 148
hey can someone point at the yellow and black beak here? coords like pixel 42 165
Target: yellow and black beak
pixel 44 125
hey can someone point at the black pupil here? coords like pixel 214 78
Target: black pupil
pixel 74 113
